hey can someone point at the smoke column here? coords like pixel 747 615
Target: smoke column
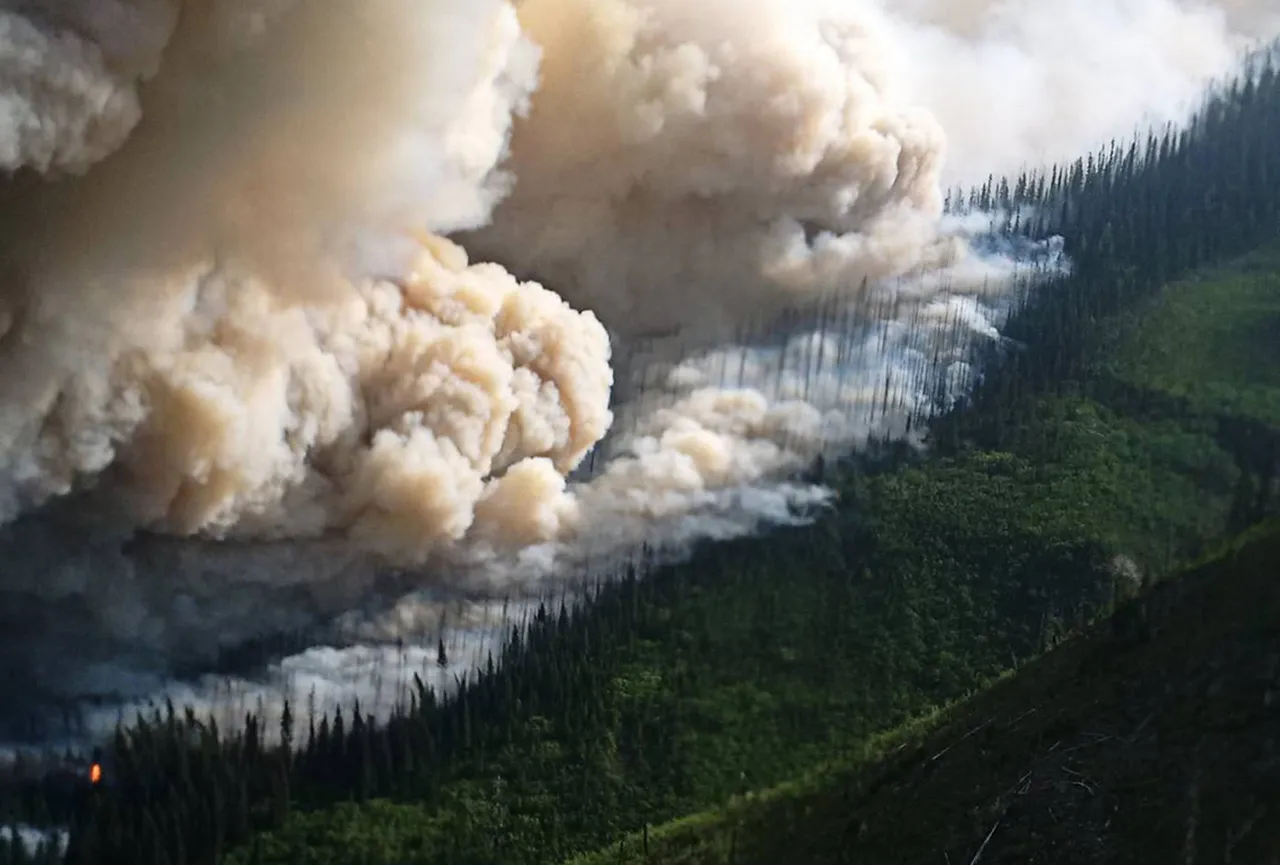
pixel 1018 83
pixel 309 300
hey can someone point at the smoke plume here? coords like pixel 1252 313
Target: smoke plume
pixel 310 300
pixel 1019 83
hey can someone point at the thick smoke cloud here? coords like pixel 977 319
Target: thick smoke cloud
pixel 204 350
pixel 721 138
pixel 270 337
pixel 68 77
pixel 222 357
pixel 1019 83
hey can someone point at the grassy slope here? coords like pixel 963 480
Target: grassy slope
pixel 1213 341
pixel 765 659
pixel 1176 388
pixel 1114 747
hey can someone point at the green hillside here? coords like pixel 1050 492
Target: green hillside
pixel 1154 463
pixel 1152 739
pixel 1212 341
pixel 745 668
pixel 759 661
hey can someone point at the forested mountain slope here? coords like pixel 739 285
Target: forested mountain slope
pixel 758 661
pixel 1154 738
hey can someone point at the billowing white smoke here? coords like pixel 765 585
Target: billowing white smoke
pixel 201 330
pixel 204 349
pixel 718 138
pixel 68 75
pixel 1020 83
pixel 230 315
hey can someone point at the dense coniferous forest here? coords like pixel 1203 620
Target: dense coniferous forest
pixel 1086 462
pixel 1148 739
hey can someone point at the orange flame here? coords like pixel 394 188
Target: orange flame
pixel 95 773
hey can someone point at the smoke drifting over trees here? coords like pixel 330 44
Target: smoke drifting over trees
pixel 248 307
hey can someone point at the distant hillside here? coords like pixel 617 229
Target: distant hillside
pixel 1155 738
